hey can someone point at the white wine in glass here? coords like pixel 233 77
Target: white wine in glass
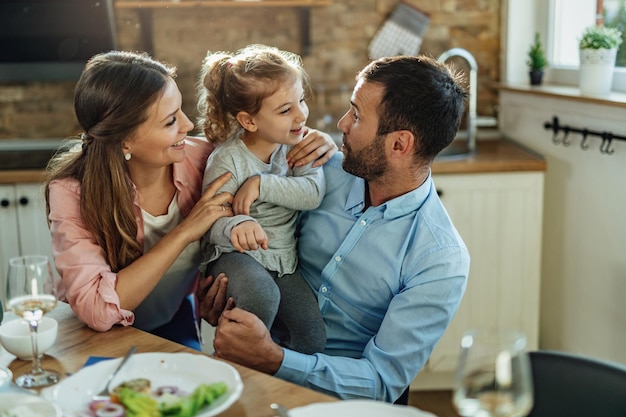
pixel 30 296
pixel 493 377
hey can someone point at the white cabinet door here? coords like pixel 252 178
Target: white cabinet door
pixel 31 220
pixel 23 226
pixel 9 238
pixel 499 216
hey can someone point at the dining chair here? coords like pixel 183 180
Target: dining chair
pixel 568 385
pixel 404 398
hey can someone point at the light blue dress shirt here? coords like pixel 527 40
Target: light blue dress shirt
pixel 388 281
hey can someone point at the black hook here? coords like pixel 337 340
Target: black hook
pixel 555 129
pixel 605 147
pixel 564 140
pixel 583 144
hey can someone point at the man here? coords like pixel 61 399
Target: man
pixel 381 254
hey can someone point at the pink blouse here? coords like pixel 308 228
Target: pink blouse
pixel 87 282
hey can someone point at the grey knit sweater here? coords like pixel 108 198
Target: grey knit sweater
pixel 283 192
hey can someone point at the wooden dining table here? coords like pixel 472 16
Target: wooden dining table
pixel 76 343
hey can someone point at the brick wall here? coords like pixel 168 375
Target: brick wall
pixel 339 36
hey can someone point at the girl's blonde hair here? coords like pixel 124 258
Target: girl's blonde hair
pixel 111 100
pixel 231 83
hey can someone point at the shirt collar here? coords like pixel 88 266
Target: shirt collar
pixel 393 208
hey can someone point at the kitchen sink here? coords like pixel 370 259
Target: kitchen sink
pixel 457 150
pixel 26 154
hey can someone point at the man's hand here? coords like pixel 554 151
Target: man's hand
pixel 241 337
pixel 248 235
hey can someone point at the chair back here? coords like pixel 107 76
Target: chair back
pixel 567 385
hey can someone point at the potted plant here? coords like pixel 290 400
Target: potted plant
pixel 600 37
pixel 536 61
pixel 598 49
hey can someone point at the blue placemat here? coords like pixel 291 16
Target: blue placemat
pixel 95 359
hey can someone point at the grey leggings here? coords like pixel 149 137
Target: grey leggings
pixel 278 301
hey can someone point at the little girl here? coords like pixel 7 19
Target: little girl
pixel 253 104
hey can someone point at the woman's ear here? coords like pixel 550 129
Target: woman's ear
pixel 246 121
pixel 126 147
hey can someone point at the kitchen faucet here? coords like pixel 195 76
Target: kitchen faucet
pixel 473 81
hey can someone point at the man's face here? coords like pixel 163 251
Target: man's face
pixel 364 150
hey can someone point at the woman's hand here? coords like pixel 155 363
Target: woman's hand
pixel 315 146
pixel 207 210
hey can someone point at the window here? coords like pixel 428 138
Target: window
pixel 570 18
pixel 561 23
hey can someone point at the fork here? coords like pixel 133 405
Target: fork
pixel 104 394
pixel 280 410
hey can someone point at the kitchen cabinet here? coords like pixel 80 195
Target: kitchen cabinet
pixel 23 225
pixel 499 216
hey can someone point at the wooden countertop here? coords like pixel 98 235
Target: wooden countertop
pixel 494 155
pixel 497 155
pixel 22 175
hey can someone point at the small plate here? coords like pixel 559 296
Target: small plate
pixel 21 404
pixel 357 408
pixel 183 370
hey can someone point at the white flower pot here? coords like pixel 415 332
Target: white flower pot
pixel 596 71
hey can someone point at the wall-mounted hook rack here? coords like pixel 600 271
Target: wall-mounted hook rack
pixel 565 139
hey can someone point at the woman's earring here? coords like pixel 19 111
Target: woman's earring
pixel 127 156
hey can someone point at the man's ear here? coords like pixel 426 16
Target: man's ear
pixel 403 143
pixel 246 121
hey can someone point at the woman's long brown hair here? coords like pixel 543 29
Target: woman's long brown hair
pixel 111 100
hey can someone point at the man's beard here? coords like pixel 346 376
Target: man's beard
pixel 369 163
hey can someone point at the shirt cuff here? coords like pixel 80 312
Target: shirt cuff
pixel 296 367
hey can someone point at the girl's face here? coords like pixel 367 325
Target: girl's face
pixel 282 116
pixel 160 140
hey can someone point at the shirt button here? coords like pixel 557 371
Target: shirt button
pixel 337 258
pixel 363 222
pixel 324 289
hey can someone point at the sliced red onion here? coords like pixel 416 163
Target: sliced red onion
pixel 166 390
pixel 111 410
pixel 96 404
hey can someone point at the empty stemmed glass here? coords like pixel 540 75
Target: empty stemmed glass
pixel 493 377
pixel 30 296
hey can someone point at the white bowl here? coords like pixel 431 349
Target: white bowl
pixel 15 337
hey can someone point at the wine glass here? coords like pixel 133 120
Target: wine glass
pixel 493 376
pixel 30 295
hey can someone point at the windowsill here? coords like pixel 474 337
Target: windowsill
pixel 566 92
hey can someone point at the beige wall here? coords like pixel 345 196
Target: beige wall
pixel 583 280
pixel 340 35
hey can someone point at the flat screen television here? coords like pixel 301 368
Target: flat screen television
pixel 52 39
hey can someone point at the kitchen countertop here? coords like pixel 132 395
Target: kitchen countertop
pixel 493 155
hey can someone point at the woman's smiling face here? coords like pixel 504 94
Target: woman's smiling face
pixel 160 140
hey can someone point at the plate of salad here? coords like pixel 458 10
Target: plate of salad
pixel 171 384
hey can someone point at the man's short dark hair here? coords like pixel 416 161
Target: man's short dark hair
pixel 421 95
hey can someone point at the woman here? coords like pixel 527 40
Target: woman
pixel 124 203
